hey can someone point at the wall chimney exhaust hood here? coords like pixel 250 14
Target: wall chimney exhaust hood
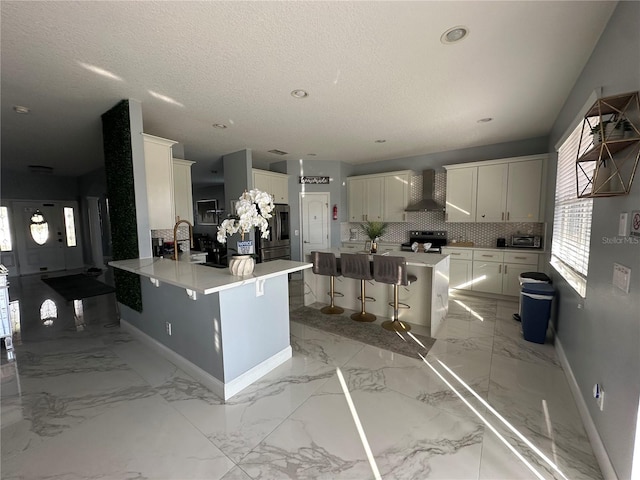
pixel 427 203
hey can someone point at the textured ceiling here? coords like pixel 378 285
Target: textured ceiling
pixel 374 70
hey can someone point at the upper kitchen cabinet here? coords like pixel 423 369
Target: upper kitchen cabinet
pixel 506 190
pixel 461 194
pixel 158 162
pixel 396 196
pixel 182 190
pixel 275 184
pixel 379 198
pixel 365 198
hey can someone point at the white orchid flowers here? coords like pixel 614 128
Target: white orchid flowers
pixel 254 208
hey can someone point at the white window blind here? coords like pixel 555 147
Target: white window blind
pixel 572 216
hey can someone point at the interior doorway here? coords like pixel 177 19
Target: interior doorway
pixel 315 221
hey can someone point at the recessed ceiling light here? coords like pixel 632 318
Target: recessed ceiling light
pixel 382 140
pixel 299 93
pixel 485 120
pixel 19 109
pixel 221 126
pixel 454 34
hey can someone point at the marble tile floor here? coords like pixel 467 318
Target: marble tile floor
pixel 84 401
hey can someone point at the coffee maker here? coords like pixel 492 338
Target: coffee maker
pixel 157 246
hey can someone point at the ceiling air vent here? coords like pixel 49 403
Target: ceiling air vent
pixel 278 152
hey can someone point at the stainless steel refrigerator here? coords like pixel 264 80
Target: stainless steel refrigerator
pixel 278 245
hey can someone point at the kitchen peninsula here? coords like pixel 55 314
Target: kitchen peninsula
pixel 428 297
pixel 226 331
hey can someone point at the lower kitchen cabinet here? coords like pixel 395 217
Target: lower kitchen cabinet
pixel 460 267
pixel 489 271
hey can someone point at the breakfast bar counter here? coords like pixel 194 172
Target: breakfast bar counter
pixel 428 297
pixel 224 330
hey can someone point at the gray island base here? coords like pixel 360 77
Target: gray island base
pixel 223 330
pixel 428 297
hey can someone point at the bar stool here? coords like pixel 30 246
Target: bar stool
pixel 393 271
pixel 358 266
pixel 326 264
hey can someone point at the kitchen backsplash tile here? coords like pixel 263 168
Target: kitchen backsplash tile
pixel 481 234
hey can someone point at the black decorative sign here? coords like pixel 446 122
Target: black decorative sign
pixel 314 180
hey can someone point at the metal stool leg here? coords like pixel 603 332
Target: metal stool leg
pixel 332 309
pixel 363 316
pixel 394 324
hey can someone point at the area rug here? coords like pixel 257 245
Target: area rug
pixel 370 333
pixel 75 287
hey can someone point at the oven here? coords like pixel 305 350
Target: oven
pixel 437 239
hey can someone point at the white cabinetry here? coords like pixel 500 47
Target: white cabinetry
pixel 505 190
pixel 396 197
pixel 516 263
pixel 461 194
pixel 460 267
pixel 524 189
pixel 275 184
pixel 158 162
pixel 498 271
pixel 379 198
pixel 492 193
pixel 182 190
pixel 365 199
pixel 487 271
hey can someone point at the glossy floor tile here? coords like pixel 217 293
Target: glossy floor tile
pixel 85 400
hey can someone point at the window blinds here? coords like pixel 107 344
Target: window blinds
pixel 572 216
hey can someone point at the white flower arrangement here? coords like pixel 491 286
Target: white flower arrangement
pixel 253 209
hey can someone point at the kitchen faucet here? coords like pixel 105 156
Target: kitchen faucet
pixel 175 235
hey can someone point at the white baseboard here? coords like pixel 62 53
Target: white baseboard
pixel 606 467
pixel 221 389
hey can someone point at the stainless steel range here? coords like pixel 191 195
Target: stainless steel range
pixel 437 239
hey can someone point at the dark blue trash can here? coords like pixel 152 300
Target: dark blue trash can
pixel 529 277
pixel 536 309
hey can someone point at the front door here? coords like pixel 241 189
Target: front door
pixel 47 236
pixel 315 222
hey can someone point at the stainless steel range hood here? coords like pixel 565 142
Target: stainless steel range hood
pixel 427 203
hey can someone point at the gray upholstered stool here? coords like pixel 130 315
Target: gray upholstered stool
pixel 393 271
pixel 358 266
pixel 325 264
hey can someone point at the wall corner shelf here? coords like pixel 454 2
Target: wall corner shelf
pixel 609 148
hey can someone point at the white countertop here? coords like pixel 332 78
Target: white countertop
pixel 503 249
pixel 413 259
pixel 200 278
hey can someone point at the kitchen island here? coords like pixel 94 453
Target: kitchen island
pixel 224 330
pixel 428 297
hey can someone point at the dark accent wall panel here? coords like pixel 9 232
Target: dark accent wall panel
pixel 116 134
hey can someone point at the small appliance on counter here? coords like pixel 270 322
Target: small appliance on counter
pixel 501 242
pixel 526 241
pixel 157 246
pixel 353 234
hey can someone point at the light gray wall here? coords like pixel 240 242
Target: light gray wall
pixel 27 186
pixel 601 340
pixel 253 328
pixel 192 323
pixel 336 190
pixel 237 179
